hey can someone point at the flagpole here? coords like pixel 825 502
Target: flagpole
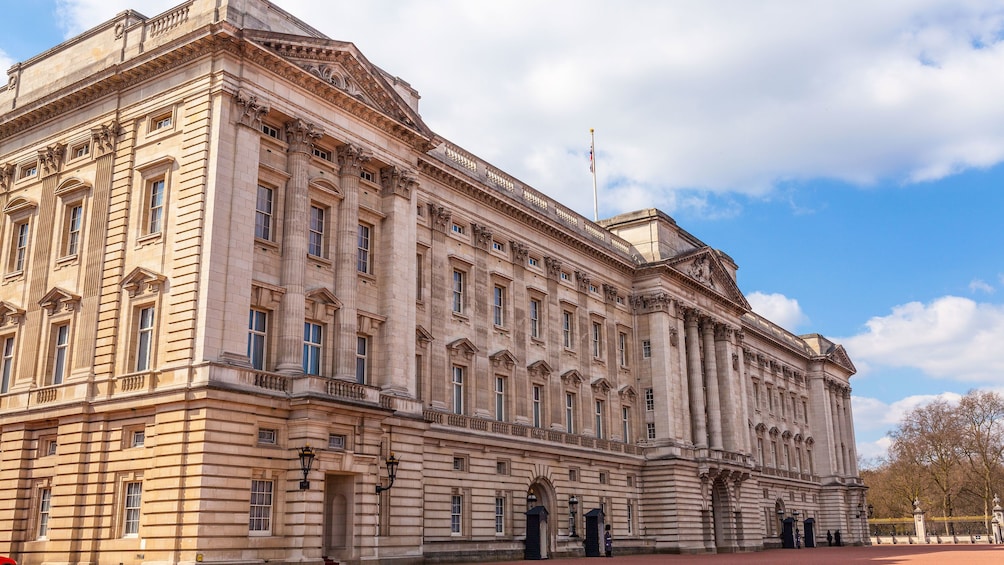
pixel 592 169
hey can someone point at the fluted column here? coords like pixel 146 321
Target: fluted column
pixel 726 388
pixel 837 436
pixel 848 431
pixel 711 383
pixel 698 422
pixel 300 135
pixel 350 162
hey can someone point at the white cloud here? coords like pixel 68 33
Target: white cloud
pixel 5 63
pixel 733 96
pixel 873 416
pixel 980 285
pixel 951 337
pixel 778 308
pixel 873 451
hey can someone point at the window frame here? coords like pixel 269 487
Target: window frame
pixel 264 219
pixel 570 412
pixel 457 383
pixel 60 351
pixel 258 336
pixel 364 248
pixel 132 506
pixel 459 291
pixel 20 240
pixel 499 305
pixel 363 355
pixel 533 314
pixel 144 345
pixel 8 353
pixel 500 398
pixel 316 229
pixel 313 347
pixel 44 512
pixel 260 523
pixel 568 329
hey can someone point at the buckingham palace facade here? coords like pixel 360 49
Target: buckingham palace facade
pixel 240 274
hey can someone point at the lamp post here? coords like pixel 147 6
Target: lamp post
pixel 531 500
pixel 392 464
pixel 573 505
pixel 798 535
pixel 306 462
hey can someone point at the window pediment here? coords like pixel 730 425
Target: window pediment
pixel 601 385
pixel 369 323
pixel 627 393
pixel 264 295
pixel 321 303
pixel 143 281
pixel 20 207
pixel 462 346
pixel 72 188
pixel 572 377
pixel 539 369
pixel 422 337
pixel 10 314
pixel 504 358
pixel 58 299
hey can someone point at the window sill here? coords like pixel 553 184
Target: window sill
pixel 368 277
pixel 266 245
pixel 149 238
pixel 66 261
pixel 13 276
pixel 462 317
pixel 319 262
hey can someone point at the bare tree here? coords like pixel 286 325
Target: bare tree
pixel 982 415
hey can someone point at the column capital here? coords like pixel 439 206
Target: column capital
pixel 582 279
pixel 482 235
pixel 519 252
pixel 52 158
pixel 397 181
pixel 553 265
pixel 252 108
pixel 300 136
pixel 440 215
pixel 6 175
pixel 105 136
pixel 351 159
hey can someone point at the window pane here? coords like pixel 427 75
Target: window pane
pixel 263 214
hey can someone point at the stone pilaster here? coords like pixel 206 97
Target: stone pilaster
pixel 439 301
pixel 350 162
pixel 300 135
pixel 695 379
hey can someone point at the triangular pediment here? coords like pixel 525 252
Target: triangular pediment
pixel 346 74
pixel 321 303
pixel 601 385
pixel 539 368
pixel 503 358
pixel 141 281
pixel 627 393
pixel 572 376
pixel 704 267
pixel 10 314
pixel 462 346
pixel 840 357
pixel 59 299
pixel 422 335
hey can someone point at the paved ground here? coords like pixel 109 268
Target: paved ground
pixel 877 555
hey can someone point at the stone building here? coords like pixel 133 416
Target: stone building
pixel 226 237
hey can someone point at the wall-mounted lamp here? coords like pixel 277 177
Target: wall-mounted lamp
pixel 306 462
pixel 531 500
pixel 573 507
pixel 392 464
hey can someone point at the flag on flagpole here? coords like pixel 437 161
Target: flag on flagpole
pixel 590 158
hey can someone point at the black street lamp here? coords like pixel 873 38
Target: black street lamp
pixel 871 511
pixel 306 462
pixel 573 506
pixel 531 500
pixel 392 464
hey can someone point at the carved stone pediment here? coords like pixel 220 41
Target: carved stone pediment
pixel 704 267
pixel 840 357
pixel 422 337
pixel 572 377
pixel 59 300
pixel 264 295
pixel 10 315
pixel 503 358
pixel 369 323
pixel 627 393
pixel 539 369
pixel 462 347
pixel 601 385
pixel 142 281
pixel 19 207
pixel 321 303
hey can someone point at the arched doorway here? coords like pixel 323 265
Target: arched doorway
pixel 721 515
pixel 541 493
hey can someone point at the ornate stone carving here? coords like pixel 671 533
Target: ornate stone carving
pixel 58 299
pixel 674 337
pixel 700 270
pixel 351 159
pixel 6 175
pixel 397 181
pixel 105 136
pixel 655 302
pixel 252 109
pixel 582 279
pixel 503 358
pixel 142 281
pixel 610 292
pixel 300 136
pixel 482 235
pixel 422 337
pixel 10 315
pixel 52 158
pixel 553 266
pixel 441 217
pixel 519 252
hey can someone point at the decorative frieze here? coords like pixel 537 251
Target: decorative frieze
pixel 654 302
pixel 252 109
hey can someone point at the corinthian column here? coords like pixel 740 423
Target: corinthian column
pixel 838 441
pixel 711 381
pixel 698 423
pixel 350 162
pixel 300 136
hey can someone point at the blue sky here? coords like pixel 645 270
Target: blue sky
pixel 848 155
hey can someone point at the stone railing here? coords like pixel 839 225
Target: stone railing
pixel 785 474
pixel 521 431
pixel 168 20
pixel 468 164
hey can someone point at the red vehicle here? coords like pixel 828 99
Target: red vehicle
pixel 7 561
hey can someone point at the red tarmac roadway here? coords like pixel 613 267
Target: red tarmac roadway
pixel 875 555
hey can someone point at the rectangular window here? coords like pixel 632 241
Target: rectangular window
pixel 61 350
pixel 458 229
pixel 533 261
pixel 649 399
pixel 498 246
pixel 19 249
pixel 501 468
pixel 74 223
pixel 567 330
pixel 498 305
pixel 362 359
pixel 759 451
pixel 6 365
pixel 419 278
pixel 499 515
pixel 133 497
pixel 625 424
pixel 500 399
pixel 798 458
pixel 266 436
pixel 600 416
pixel 263 213
pixel 363 263
pixel 538 394
pixel 144 339
pixel 260 517
pixel 366 175
pixel 138 438
pixel 459 463
pixel 155 207
pixel 311 348
pixel 458 291
pixel 630 518
pixel 458 389
pixel 162 122
pixel 257 321
pixel 622 351
pixel 28 171
pixel 787 457
pixel 597 339
pixel 534 318
pixel 570 412
pixel 44 507
pixel 315 237
pixel 650 429
pixel 646 349
pixel 756 396
pixel 270 131
pixel 82 150
pixel 322 154
pixel 456 513
pixel 336 441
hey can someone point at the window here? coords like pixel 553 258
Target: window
pixel 534 318
pixel 458 389
pixel 28 171
pixel 773 454
pixel 459 463
pixel 155 207
pixel 533 261
pixel 499 515
pixel 60 350
pixel 756 396
pixel 600 416
pixel 362 359
pixel 138 438
pixel 458 229
pixel 501 468
pixel 74 223
pixel 82 150
pixel 311 348
pixel 133 496
pixel 622 354
pixel 498 305
pixel 363 263
pixel 366 175
pixel 270 131
pixel 650 430
pixel 6 364
pixel 256 338
pixel 759 451
pixel 603 478
pixel 266 436
pixel 537 401
pixel 646 349
pixel 649 399
pixel 326 155
pixel 419 278
pixel 597 339
pixel 336 441
pixel 144 339
pixel 44 506
pixel 565 276
pixel 630 518
pixel 162 121
pixel 263 214
pixel 570 412
pixel 573 475
pixel 805 411
pixel 260 517
pixel 456 513
pixel 567 330
pixel 500 399
pixel 458 291
pixel 19 248
pixel 498 246
pixel 626 424
pixel 315 237
pixel 787 457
